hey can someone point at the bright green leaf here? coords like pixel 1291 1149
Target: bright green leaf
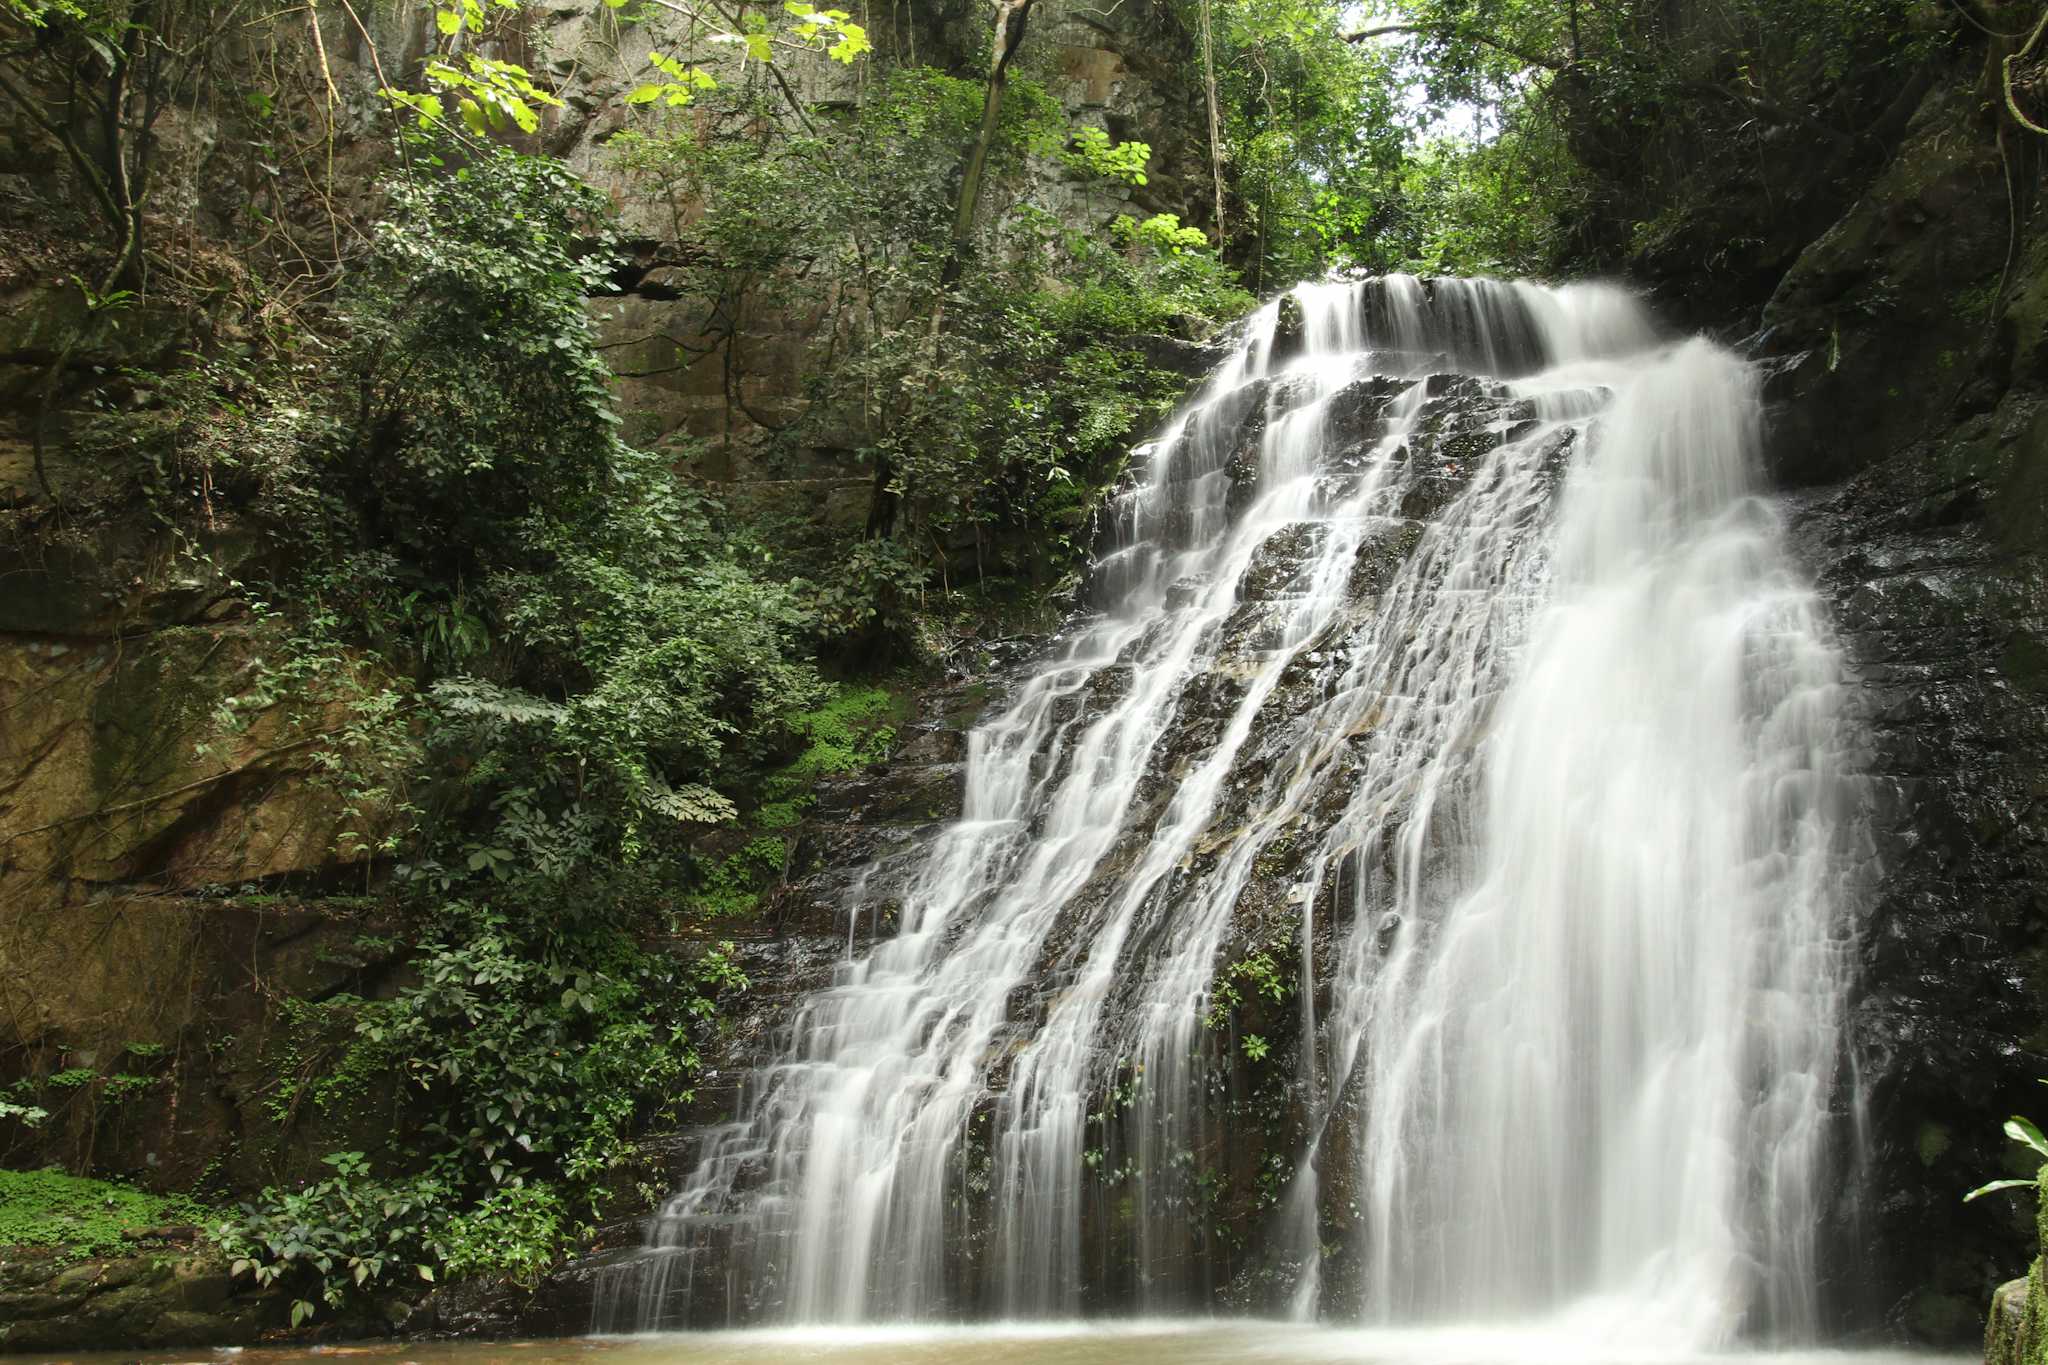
pixel 2000 1185
pixel 2023 1130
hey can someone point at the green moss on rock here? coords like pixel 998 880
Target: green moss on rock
pixel 83 1217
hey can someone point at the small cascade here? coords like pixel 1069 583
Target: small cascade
pixel 1449 702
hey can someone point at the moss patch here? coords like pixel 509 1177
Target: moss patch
pixel 86 1217
pixel 731 887
pixel 846 734
pixel 852 730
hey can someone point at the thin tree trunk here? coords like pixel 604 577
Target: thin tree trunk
pixel 1010 20
pixel 1215 118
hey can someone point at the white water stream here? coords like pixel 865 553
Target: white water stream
pixel 1546 728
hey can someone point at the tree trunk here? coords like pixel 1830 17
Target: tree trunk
pixel 1215 118
pixel 1010 20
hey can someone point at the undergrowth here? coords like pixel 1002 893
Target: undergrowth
pixel 84 1217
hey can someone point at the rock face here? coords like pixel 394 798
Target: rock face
pixel 159 901
pixel 1910 421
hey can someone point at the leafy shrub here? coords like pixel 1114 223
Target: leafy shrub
pixel 533 1071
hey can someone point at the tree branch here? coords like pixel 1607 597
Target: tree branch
pixel 1441 31
pixel 2012 104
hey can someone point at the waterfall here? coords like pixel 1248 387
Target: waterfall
pixel 1448 678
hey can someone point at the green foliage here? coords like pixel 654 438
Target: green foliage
pixel 2026 1134
pixel 533 1070
pixel 493 95
pixel 587 653
pixel 48 1208
pixel 731 887
pixel 518 1231
pixel 2034 1328
pixel 854 728
pixel 80 1094
pixel 1095 153
pixel 27 1115
pixel 1509 135
pixel 350 1231
pixel 1161 232
pixel 1314 131
pixel 321 1060
pixel 533 1057
pixel 478 398
pixel 851 730
pixel 1000 402
pixel 1558 163
pixel 532 661
pixel 1256 976
pixel 37 13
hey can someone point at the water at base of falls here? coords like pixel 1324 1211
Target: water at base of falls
pixel 1452 711
pixel 1060 1343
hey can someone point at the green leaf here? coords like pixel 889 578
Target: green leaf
pixel 448 21
pixel 644 94
pixel 1997 1185
pixel 427 1271
pixel 758 47
pixel 2023 1130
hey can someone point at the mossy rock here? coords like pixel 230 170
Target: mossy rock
pixel 2006 1340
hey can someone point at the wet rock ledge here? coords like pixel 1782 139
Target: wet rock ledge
pixel 163 1294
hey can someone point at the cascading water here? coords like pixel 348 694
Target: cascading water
pixel 1447 651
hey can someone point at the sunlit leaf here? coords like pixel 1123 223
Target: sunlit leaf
pixel 2023 1130
pixel 1997 1185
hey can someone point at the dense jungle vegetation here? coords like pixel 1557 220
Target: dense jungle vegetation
pixel 573 699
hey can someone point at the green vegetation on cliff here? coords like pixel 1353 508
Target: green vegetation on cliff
pixel 534 665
